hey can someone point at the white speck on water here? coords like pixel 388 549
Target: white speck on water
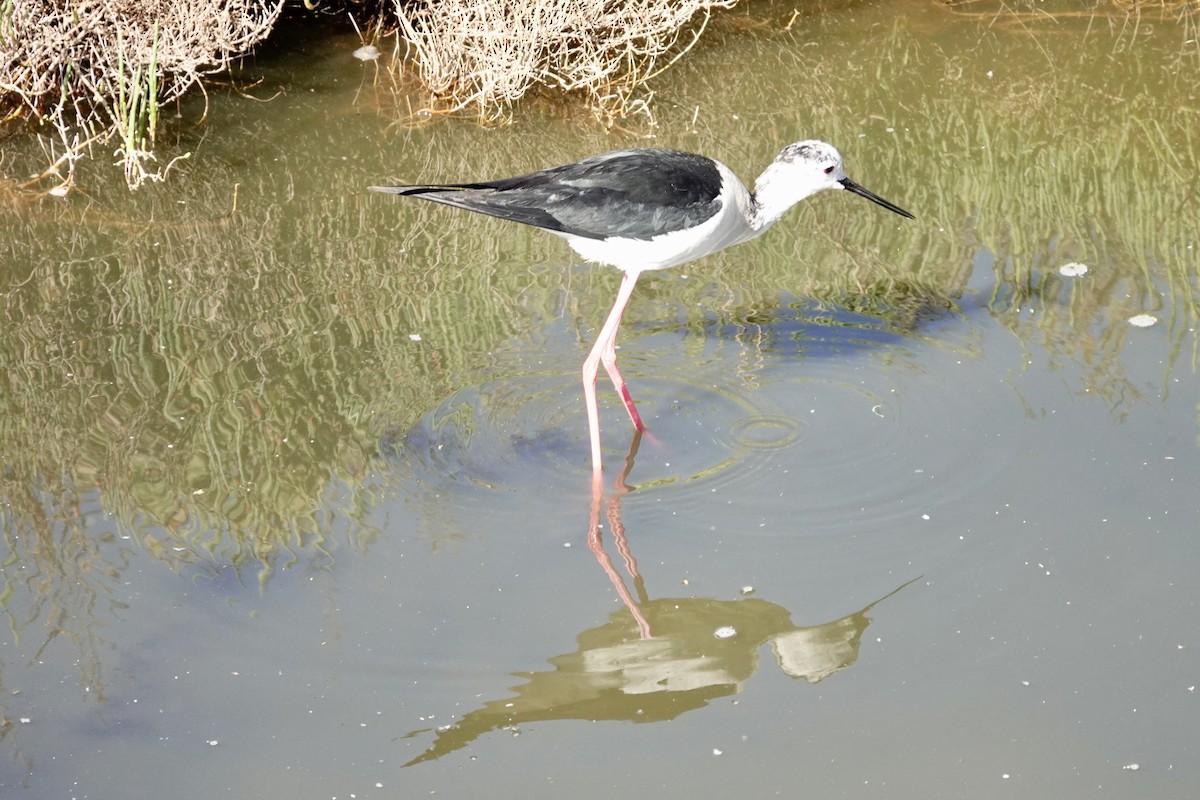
pixel 1134 767
pixel 415 337
pixel 716 752
pixel 725 632
pixel 747 590
pixel 1073 269
pixel 1143 320
pixel 368 52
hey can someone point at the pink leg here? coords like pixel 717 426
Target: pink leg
pixel 605 351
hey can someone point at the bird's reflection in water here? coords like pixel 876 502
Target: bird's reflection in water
pixel 656 659
pixel 612 512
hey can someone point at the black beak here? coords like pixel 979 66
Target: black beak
pixel 874 198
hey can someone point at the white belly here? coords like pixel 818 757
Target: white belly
pixel 727 227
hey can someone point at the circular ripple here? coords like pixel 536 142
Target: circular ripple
pixel 703 434
pixel 887 444
pixel 532 431
pixel 766 432
pixel 504 433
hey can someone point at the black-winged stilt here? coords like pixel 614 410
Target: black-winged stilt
pixel 647 209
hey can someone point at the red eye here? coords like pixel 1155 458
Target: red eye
pixel 829 170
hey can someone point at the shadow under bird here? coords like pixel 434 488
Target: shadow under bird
pixel 647 209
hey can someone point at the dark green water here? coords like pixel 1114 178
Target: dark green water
pixel 294 476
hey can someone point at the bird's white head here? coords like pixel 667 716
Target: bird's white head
pixel 801 170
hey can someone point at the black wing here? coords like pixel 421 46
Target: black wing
pixel 635 194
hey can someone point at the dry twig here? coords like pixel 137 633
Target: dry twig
pixel 486 54
pixel 95 70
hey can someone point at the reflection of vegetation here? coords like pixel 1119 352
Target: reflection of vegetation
pixel 1126 19
pixel 57 575
pixel 212 388
pixel 208 388
pixel 1091 160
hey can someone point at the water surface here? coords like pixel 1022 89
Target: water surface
pixel 295 478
